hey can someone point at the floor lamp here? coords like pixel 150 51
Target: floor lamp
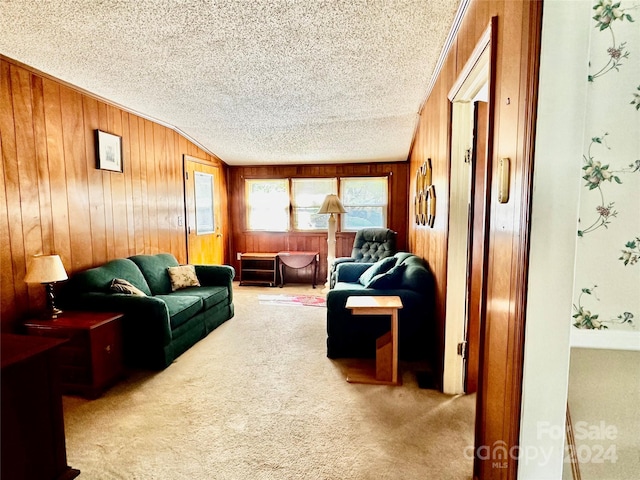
pixel 331 205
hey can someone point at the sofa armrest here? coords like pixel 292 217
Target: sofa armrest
pixel 146 317
pixel 350 272
pixel 216 276
pixel 334 266
pixel 340 260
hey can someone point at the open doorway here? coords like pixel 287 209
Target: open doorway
pixel 468 213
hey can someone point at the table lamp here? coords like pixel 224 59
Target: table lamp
pixel 47 270
pixel 331 205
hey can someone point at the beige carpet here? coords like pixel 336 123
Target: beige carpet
pixel 259 399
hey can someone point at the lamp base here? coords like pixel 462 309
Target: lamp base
pixel 331 247
pixel 52 312
pixel 48 314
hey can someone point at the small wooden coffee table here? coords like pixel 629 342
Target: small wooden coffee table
pixel 385 370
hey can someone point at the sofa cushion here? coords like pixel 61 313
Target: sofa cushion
pixel 118 285
pixel 210 295
pixel 348 286
pixel 181 307
pixel 99 279
pixel 182 276
pixel 388 280
pixel 402 256
pixel 377 268
pixel 154 269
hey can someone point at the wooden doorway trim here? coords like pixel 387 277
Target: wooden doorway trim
pixel 480 467
pixel 478 243
pixel 502 342
pixel 572 448
pixel 473 79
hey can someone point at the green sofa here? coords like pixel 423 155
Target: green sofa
pixel 354 336
pixel 161 325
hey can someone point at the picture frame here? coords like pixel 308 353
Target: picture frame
pixel 108 152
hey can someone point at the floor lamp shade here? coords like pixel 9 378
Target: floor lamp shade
pixel 331 205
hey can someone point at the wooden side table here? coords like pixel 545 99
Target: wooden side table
pixel 92 359
pixel 33 440
pixel 258 269
pixel 294 259
pixel 385 371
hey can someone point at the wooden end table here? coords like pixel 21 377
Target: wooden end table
pixel 33 438
pixel 258 269
pixel 385 370
pixel 294 259
pixel 92 358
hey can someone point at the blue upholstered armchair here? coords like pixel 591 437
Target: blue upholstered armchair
pixel 369 246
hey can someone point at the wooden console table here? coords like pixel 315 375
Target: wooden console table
pixel 296 260
pixel 385 371
pixel 258 268
pixel 33 441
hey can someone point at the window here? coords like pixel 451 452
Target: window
pixel 306 199
pixel 365 199
pixel 267 203
pixel 283 204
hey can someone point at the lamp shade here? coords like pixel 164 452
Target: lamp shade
pixel 45 269
pixel 331 204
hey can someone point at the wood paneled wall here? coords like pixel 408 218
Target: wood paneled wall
pixel 243 241
pixel 513 120
pixel 56 201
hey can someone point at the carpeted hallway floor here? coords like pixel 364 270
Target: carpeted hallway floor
pixel 259 399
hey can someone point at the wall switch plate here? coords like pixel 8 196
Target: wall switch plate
pixel 238 256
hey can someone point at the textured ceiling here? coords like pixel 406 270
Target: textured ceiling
pixel 252 81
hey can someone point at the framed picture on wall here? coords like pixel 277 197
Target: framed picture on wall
pixel 108 151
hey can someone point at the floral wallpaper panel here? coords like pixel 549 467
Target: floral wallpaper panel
pixel 607 272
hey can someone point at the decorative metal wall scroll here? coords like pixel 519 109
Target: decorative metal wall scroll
pixel 425 197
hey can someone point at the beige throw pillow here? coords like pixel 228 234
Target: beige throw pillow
pixel 183 276
pixel 118 285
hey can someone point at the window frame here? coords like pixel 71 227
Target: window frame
pixel 247 204
pixel 385 209
pixel 292 206
pixel 291 225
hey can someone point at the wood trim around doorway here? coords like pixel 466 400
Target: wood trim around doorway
pixel 502 337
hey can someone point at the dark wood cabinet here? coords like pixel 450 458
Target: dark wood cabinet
pixel 33 441
pixel 259 269
pixel 92 359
